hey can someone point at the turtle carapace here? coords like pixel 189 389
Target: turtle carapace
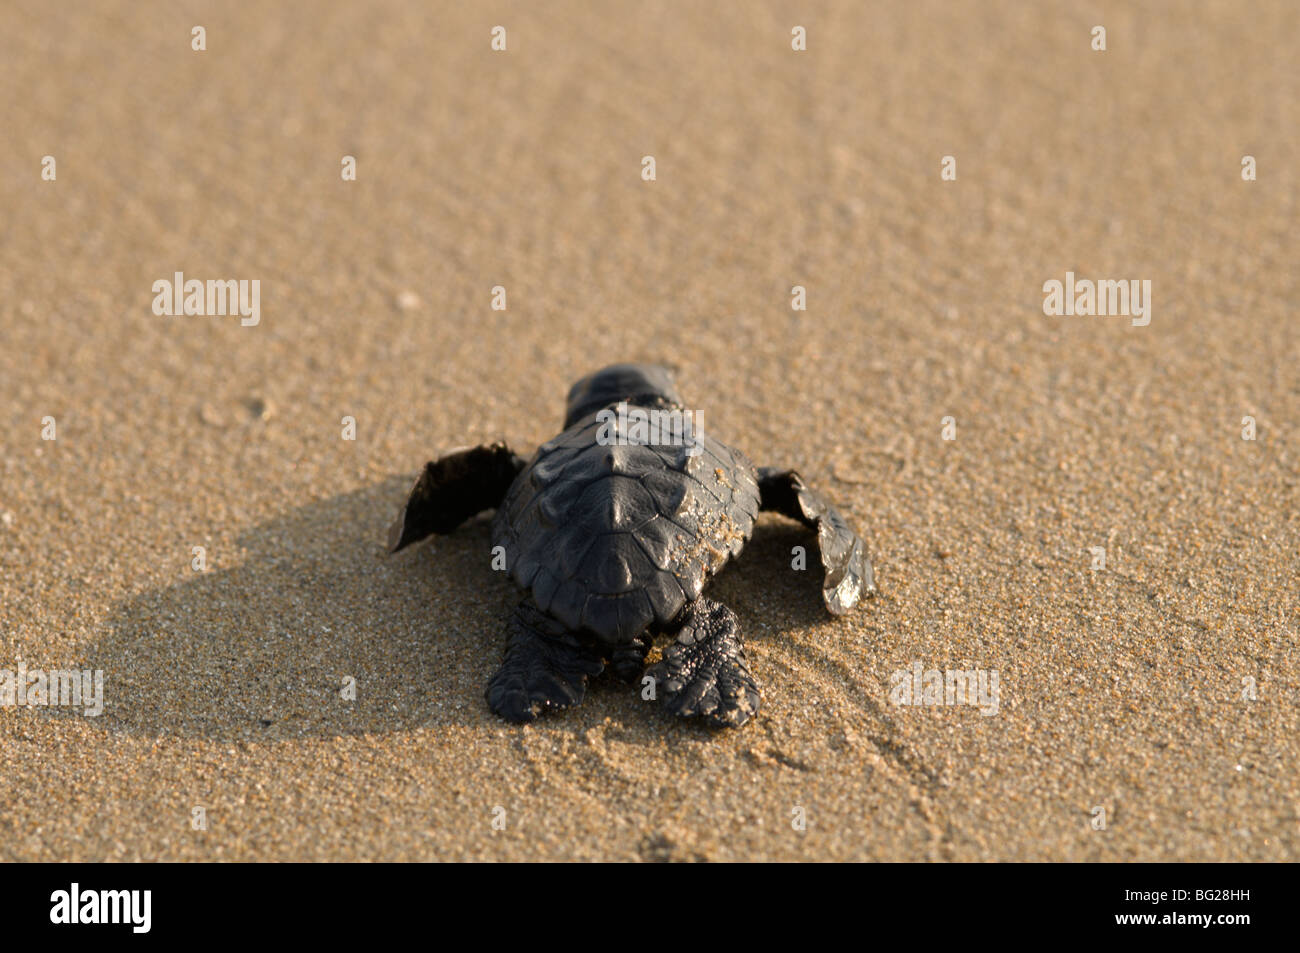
pixel 613 528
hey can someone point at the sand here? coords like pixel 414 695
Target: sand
pixel 1162 689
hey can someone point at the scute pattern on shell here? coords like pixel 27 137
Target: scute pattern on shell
pixel 611 538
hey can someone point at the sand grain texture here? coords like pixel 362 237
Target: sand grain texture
pixel 1120 689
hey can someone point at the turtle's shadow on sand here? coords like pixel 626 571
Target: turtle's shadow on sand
pixel 265 651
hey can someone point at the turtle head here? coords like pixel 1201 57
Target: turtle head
pixel 635 383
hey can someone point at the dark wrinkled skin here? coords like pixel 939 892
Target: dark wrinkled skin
pixel 614 543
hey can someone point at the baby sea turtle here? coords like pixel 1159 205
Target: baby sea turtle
pixel 614 527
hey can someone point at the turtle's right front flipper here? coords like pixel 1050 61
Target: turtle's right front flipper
pixel 453 489
pixel 848 576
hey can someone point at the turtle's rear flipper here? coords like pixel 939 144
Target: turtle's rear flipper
pixel 844 556
pixel 545 667
pixel 453 489
pixel 628 661
pixel 705 672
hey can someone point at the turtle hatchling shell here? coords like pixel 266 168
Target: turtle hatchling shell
pixel 610 538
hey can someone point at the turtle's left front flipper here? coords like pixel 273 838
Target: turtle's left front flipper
pixel 844 556
pixel 453 489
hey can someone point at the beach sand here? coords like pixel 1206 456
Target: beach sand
pixel 1162 689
